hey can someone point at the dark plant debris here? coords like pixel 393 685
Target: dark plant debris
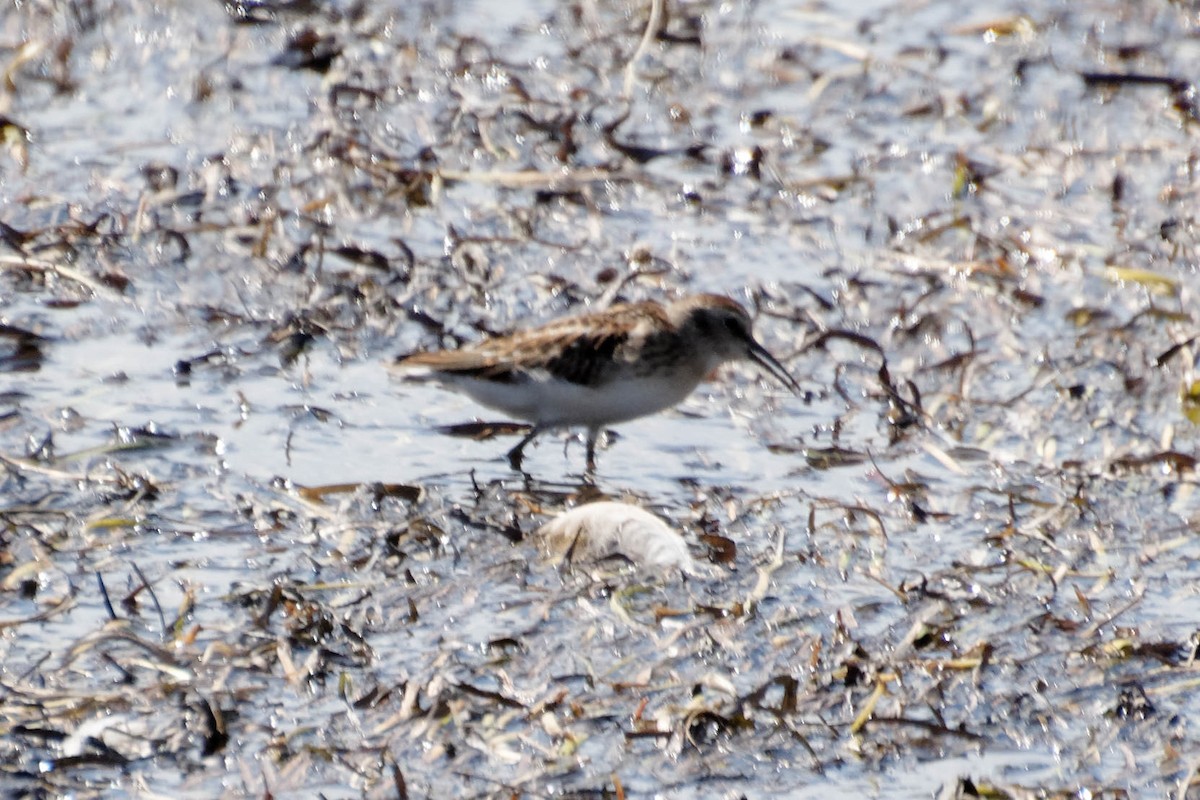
pixel 237 559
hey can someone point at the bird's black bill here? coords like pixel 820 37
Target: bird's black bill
pixel 759 355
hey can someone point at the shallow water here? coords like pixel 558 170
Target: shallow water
pixel 977 574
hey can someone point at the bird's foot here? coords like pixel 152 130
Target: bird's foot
pixel 517 454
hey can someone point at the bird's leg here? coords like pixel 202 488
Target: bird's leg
pixel 517 453
pixel 591 449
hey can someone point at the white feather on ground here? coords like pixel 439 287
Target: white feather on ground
pixel 605 529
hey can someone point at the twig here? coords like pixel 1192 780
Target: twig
pixel 112 612
pixel 161 616
pixel 652 27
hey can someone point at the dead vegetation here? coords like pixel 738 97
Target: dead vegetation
pixel 236 561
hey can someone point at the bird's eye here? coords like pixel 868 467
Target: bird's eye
pixel 734 326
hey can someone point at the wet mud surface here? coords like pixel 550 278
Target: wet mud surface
pixel 237 559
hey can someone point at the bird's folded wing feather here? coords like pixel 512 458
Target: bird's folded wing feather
pixel 575 356
pixel 580 350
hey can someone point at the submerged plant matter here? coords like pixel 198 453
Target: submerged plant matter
pixel 238 560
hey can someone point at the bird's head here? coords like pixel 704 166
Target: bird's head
pixel 724 328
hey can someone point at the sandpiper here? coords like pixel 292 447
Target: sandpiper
pixel 627 361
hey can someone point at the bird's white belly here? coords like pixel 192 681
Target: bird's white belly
pixel 557 402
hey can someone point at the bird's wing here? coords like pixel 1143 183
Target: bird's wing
pixel 585 357
pixel 580 349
